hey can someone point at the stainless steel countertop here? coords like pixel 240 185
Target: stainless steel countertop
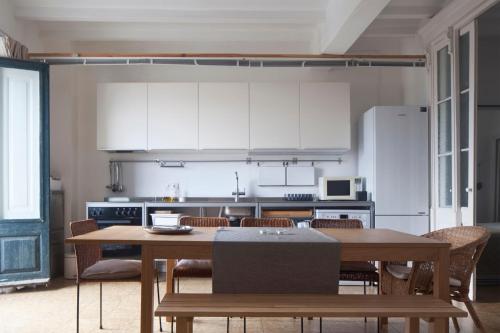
pixel 246 202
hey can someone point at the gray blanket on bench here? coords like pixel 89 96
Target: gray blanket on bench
pixel 299 261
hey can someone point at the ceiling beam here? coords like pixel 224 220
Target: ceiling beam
pixel 345 22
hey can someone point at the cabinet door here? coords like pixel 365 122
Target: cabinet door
pixel 274 116
pixel 325 121
pixel 173 115
pixel 223 116
pixel 122 116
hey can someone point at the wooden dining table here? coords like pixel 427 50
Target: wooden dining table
pixel 356 245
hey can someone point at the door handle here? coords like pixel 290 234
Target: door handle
pixel 468 189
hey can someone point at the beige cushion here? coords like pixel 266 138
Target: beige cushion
pixel 399 271
pixel 112 269
pixel 455 282
pixel 403 273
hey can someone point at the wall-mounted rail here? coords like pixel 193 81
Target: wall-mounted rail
pixel 233 60
pixel 248 160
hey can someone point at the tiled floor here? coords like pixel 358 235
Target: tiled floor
pixel 53 309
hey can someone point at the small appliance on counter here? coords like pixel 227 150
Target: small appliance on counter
pixel 337 188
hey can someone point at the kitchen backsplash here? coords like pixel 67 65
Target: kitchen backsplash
pixel 218 179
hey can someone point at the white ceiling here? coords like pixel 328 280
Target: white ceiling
pixel 300 26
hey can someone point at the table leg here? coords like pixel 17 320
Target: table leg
pixel 169 279
pixel 383 322
pixel 184 325
pixel 441 288
pixel 147 290
pixel 412 325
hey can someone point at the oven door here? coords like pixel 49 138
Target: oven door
pixel 119 250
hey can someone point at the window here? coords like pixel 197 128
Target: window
pixel 444 131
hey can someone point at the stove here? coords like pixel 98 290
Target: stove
pixel 107 214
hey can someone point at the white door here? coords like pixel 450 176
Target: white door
pixel 402 169
pixel 173 115
pixel 443 139
pixel 223 116
pixel 24 173
pixel 467 109
pixel 274 115
pixel 122 116
pixel 325 115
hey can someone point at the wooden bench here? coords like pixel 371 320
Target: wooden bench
pixel 187 306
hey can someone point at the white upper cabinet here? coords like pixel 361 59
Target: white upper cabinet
pixel 122 116
pixel 325 121
pixel 274 115
pixel 223 116
pixel 173 115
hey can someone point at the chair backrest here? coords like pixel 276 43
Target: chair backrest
pixel 277 222
pixel 467 245
pixel 337 223
pixel 194 221
pixel 88 254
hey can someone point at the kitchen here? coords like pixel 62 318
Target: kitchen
pixel 148 125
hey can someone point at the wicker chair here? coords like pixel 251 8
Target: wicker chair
pixel 350 270
pixel 267 222
pixel 467 245
pixel 92 268
pixel 194 267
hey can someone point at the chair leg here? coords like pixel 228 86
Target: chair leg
pixel 227 325
pixel 178 285
pixel 455 324
pixel 100 305
pixel 77 307
pixel 244 324
pixel 472 312
pixel 158 294
pixel 320 324
pixel 364 292
pixel 301 324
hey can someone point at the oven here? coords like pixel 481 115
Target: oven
pixel 107 214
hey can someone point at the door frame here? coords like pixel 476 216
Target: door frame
pixel 436 210
pixel 470 28
pixel 44 146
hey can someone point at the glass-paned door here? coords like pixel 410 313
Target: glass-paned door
pixel 466 107
pixel 444 129
pixel 24 172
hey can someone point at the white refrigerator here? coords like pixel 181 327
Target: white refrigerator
pixel 393 159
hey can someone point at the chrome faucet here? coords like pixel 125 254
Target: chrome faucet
pixel 238 193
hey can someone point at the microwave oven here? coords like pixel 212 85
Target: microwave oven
pixel 337 188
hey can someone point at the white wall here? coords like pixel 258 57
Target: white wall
pixel 84 170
